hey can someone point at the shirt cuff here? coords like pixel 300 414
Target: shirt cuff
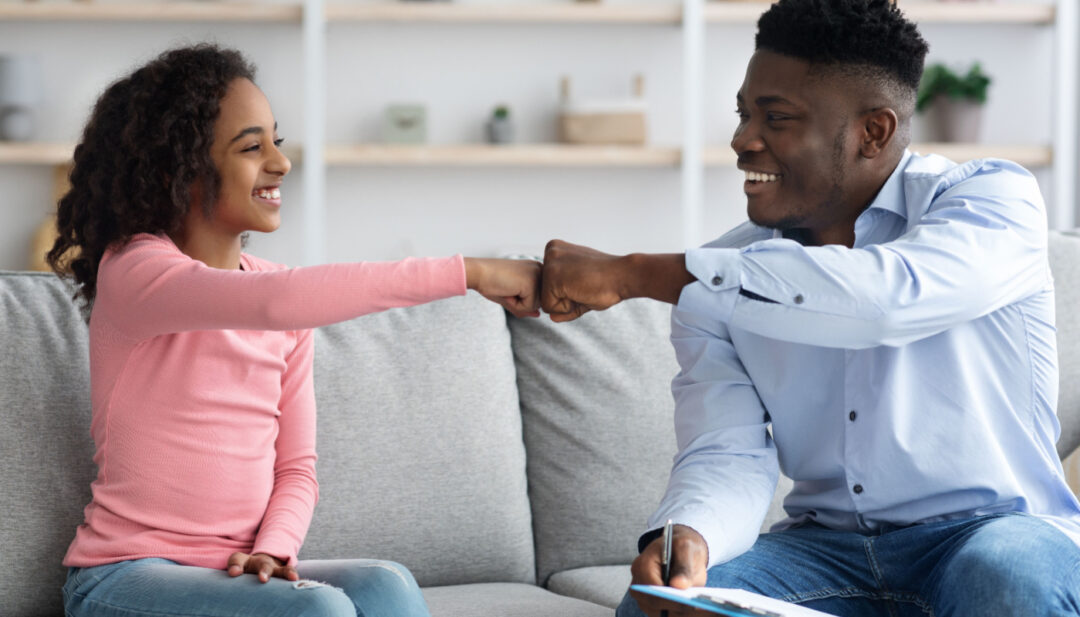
pixel 719 279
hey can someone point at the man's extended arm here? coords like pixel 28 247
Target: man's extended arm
pixel 979 247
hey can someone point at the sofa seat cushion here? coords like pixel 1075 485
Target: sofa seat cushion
pixel 507 600
pixel 604 585
pixel 421 459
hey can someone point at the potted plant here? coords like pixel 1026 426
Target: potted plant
pixel 500 129
pixel 952 103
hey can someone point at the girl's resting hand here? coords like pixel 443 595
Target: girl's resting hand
pixel 513 283
pixel 262 565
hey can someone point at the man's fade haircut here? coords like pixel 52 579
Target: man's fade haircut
pixel 869 38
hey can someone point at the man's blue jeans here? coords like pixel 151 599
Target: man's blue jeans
pixel 1002 565
pixel 159 587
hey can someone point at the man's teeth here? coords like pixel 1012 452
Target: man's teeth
pixel 755 176
pixel 268 193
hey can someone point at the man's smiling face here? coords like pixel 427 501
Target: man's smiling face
pixel 792 142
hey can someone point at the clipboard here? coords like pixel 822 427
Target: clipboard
pixel 729 602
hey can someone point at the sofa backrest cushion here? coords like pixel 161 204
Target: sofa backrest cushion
pixel 1065 266
pixel 45 447
pixel 597 411
pixel 420 452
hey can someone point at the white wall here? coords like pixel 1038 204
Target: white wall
pixel 461 72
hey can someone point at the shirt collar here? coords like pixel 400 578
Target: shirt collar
pixel 891 195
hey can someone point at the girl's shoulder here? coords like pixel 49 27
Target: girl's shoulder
pixel 258 264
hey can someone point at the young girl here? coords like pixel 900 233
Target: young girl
pixel 201 355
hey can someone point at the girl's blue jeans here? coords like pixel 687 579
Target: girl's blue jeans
pixel 162 588
pixel 1002 565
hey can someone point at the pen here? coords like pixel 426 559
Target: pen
pixel 666 557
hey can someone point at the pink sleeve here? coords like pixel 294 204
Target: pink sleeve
pixel 150 288
pixel 296 490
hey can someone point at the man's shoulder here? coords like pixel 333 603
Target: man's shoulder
pixel 740 236
pixel 939 174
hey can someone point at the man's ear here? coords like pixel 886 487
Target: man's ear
pixel 878 129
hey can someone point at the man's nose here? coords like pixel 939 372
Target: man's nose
pixel 747 139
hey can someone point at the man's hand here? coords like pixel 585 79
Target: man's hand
pixel 689 568
pixel 512 283
pixel 262 565
pixel 578 279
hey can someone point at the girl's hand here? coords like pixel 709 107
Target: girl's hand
pixel 262 565
pixel 513 283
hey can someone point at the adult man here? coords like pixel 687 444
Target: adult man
pixel 891 316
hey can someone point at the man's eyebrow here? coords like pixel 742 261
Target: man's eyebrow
pixel 258 130
pixel 769 100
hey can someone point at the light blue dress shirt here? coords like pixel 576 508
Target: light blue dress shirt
pixel 912 378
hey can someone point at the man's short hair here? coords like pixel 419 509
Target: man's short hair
pixel 868 37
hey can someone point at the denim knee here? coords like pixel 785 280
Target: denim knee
pixel 1016 565
pixel 320 601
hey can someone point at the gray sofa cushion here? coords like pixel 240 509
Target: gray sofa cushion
pixel 45 445
pixel 506 600
pixel 1065 264
pixel 420 451
pixel 605 585
pixel 597 411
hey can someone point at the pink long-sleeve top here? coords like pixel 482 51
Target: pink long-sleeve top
pixel 203 404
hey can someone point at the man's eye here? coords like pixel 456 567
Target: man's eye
pixel 771 117
pixel 742 114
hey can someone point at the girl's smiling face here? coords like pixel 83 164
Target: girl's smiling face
pixel 246 155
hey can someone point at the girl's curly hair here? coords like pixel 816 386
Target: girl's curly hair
pixel 144 149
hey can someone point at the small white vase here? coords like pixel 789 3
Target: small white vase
pixel 954 120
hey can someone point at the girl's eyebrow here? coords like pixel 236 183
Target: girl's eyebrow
pixel 258 130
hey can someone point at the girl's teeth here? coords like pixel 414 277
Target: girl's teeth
pixel 269 194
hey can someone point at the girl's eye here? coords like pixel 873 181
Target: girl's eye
pixel 279 141
pixel 251 148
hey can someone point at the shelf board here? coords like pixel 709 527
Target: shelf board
pixel 717 11
pixel 922 12
pixel 1028 156
pixel 40 153
pixel 33 153
pixel 157 11
pixel 495 13
pixel 541 155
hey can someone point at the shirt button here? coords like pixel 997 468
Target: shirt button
pixel 857 488
pixel 798 299
pixel 851 416
pixel 717 280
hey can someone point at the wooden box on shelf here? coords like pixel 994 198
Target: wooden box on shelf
pixel 603 122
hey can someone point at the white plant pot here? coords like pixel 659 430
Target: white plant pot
pixel 954 121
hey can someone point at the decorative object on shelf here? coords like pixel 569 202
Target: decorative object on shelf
pixel 620 122
pixel 20 92
pixel 952 103
pixel 45 234
pixel 500 128
pixel 405 124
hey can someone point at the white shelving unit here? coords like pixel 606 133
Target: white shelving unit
pixel 692 157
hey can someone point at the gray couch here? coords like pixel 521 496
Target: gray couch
pixel 510 464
